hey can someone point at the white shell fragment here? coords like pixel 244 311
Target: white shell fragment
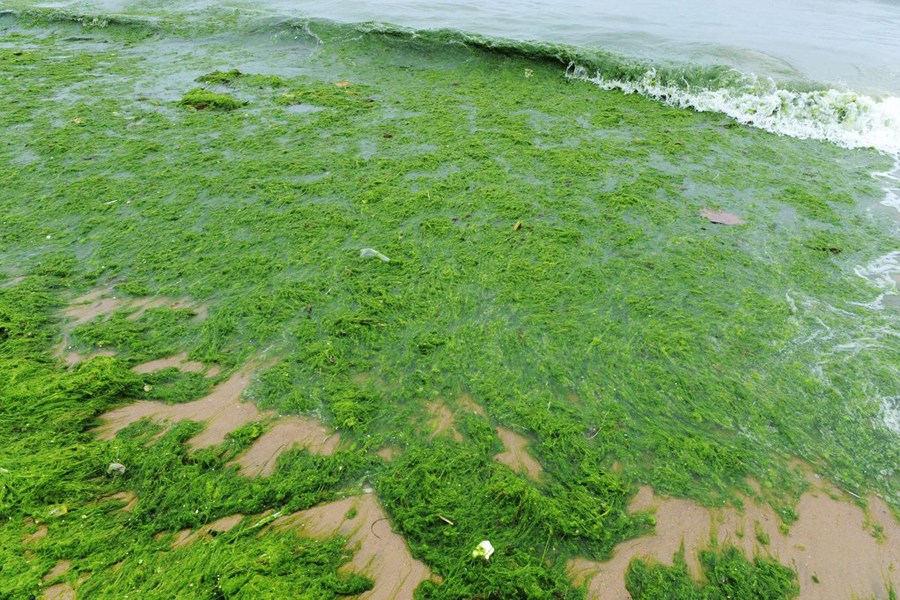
pixel 115 469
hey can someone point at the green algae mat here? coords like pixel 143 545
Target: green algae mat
pixel 431 248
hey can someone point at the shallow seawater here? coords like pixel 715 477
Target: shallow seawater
pixel 635 294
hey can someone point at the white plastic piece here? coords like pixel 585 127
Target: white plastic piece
pixel 484 550
pixel 373 253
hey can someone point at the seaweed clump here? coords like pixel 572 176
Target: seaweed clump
pixel 201 99
pixel 728 574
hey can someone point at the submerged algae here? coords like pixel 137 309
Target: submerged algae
pixel 547 257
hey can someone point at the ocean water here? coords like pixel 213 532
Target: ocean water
pixel 846 44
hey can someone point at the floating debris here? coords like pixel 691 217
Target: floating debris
pixel 720 217
pixel 115 469
pixel 373 253
pixel 483 550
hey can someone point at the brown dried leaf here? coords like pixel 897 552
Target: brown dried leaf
pixel 720 217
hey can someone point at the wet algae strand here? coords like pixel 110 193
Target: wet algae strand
pixel 547 256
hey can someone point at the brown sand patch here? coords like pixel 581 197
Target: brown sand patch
pixel 467 404
pixel 186 537
pixel 260 458
pixel 90 306
pixel 183 538
pixel 179 361
pixel 128 498
pixel 441 421
pixel 72 358
pixel 39 534
pixel 516 456
pixel 379 553
pixel 442 418
pixel 830 542
pixel 142 305
pixel 389 453
pixel 222 410
pixel 60 569
pixel 101 302
pixel 60 591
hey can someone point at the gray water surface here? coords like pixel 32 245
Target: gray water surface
pixel 851 44
pixel 845 44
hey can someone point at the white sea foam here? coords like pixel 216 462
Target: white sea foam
pixel 890 414
pixel 882 271
pixel 845 118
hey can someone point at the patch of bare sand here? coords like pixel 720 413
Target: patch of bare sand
pixel 379 553
pixel 831 542
pixel 128 498
pixel 222 410
pixel 58 570
pixel 72 358
pixel 389 453
pixel 441 421
pixel 102 302
pixel 442 417
pixel 60 591
pixel 466 403
pixel 179 361
pixel 186 537
pixel 720 217
pixel 90 306
pixel 39 534
pixel 516 456
pixel 260 458
pixel 142 305
pixel 13 281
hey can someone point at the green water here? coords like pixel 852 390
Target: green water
pixel 547 256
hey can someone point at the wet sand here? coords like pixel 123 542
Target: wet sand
pixel 441 421
pixel 186 537
pixel 179 361
pixel 223 411
pixel 380 554
pixel 287 433
pixel 102 303
pixel 516 456
pixel 831 546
